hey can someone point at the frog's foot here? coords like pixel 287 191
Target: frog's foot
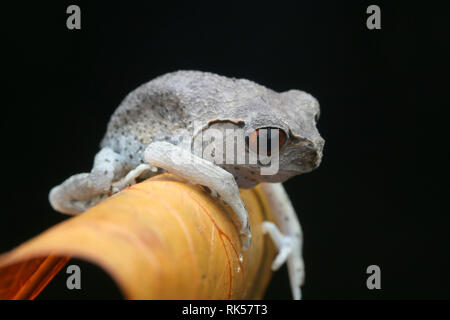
pixel 289 240
pixel 203 172
pixel 82 191
pixel 288 251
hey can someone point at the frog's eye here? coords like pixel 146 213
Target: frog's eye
pixel 257 138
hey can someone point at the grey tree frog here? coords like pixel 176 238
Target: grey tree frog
pixel 154 130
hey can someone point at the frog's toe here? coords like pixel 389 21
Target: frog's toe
pixel 246 238
pixel 284 252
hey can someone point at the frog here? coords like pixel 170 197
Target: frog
pixel 160 127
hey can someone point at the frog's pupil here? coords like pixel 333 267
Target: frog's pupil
pixel 268 137
pixel 269 141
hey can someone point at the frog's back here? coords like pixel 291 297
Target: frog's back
pixel 169 103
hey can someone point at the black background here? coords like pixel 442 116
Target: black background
pixel 378 197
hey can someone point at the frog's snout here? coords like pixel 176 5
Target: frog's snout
pixel 310 155
pixel 319 144
pixel 312 159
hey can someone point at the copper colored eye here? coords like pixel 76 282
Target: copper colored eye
pixel 259 136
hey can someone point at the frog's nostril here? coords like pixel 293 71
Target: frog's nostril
pixel 309 159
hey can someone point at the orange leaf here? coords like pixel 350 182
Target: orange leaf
pixel 159 239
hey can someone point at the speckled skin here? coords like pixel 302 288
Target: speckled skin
pixel 166 108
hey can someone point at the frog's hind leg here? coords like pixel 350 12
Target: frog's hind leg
pixel 287 236
pixel 81 191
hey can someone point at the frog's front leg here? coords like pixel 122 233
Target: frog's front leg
pixel 81 191
pixel 203 172
pixel 132 175
pixel 289 238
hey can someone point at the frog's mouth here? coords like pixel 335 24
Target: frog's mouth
pixel 249 177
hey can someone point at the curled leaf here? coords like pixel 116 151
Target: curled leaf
pixel 159 239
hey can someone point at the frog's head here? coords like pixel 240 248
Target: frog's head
pixel 272 138
pixel 300 144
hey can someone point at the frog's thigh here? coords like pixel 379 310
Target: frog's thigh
pixel 200 171
pixel 288 239
pixel 81 191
